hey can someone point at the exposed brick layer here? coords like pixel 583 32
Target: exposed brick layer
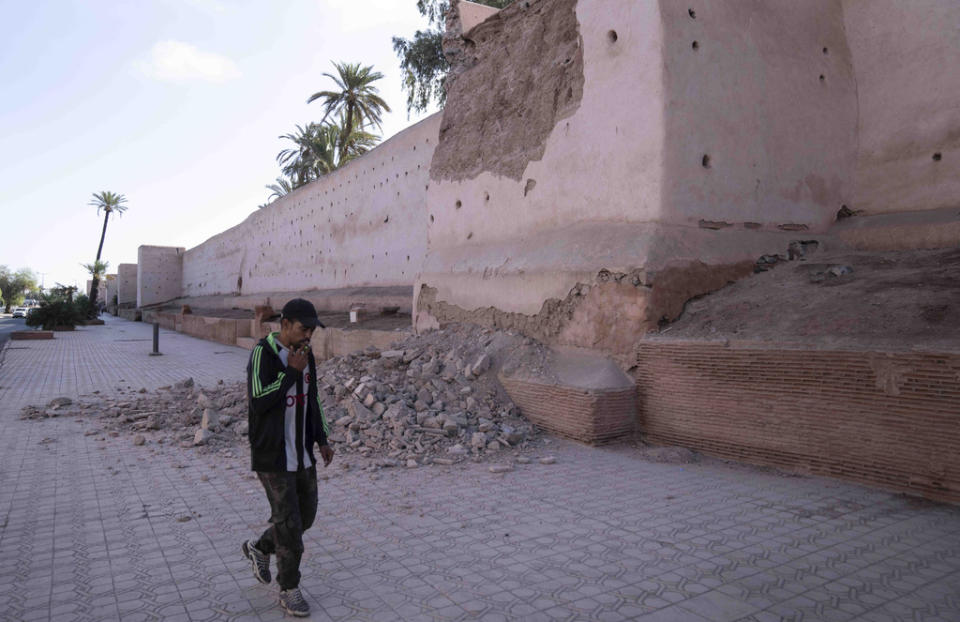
pixel 586 416
pixel 888 419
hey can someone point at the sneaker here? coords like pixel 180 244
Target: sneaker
pixel 260 561
pixel 293 603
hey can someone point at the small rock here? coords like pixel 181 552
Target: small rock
pixel 379 408
pixel 548 460
pixel 391 354
pixel 370 400
pixel 457 450
pixel 478 440
pixel 481 365
pixel 523 460
pixel 202 436
pixel 411 463
pixel 210 420
pixel 444 461
pixel 139 439
pixel 836 271
pixel 500 468
pixel 204 402
pixel 59 402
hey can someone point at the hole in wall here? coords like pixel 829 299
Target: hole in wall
pixel 692 13
pixel 695 45
pixel 470 235
pixel 844 212
pixel 826 51
pixel 705 161
pixel 431 217
pixel 612 36
pixel 822 77
pixel 937 156
pixel 459 203
pixel 486 196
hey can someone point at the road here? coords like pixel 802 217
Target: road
pixel 8 325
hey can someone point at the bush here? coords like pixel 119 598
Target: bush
pixel 55 311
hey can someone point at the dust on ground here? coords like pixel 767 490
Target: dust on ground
pixel 897 300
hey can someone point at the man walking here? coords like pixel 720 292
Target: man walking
pixel 286 418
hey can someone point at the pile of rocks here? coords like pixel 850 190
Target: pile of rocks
pixel 433 398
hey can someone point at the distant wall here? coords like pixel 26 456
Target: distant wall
pixel 127 284
pixel 111 289
pixel 906 56
pixel 159 274
pixel 362 226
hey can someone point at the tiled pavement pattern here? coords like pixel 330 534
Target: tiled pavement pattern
pixel 95 529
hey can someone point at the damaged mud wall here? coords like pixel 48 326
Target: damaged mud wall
pixel 581 235
pixel 512 77
pixel 361 226
pixel 548 148
pixel 760 113
pixel 159 274
pixel 905 57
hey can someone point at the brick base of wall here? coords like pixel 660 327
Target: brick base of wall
pixel 886 419
pixel 28 335
pixel 588 416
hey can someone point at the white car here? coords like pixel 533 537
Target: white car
pixel 20 312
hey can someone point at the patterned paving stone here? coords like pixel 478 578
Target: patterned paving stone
pixel 102 530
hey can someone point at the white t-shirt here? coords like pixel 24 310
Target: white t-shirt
pixel 290 416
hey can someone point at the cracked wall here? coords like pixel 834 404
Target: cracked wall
pixel 507 103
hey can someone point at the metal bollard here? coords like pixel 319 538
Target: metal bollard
pixel 156 340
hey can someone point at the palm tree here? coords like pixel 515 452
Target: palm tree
pixel 109 202
pixel 96 269
pixel 357 99
pixel 282 188
pixel 315 152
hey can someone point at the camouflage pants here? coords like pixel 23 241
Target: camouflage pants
pixel 293 506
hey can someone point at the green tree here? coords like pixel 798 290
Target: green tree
pixel 421 58
pixel 357 101
pixel 97 271
pixel 316 153
pixel 109 202
pixel 15 285
pixel 279 190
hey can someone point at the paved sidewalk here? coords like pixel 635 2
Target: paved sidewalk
pixel 95 528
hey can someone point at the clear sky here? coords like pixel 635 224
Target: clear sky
pixel 176 104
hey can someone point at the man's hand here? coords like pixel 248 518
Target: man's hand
pixel 297 359
pixel 326 452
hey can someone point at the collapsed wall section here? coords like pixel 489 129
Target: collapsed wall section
pixel 159 274
pixel 361 226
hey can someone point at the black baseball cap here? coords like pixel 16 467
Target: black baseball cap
pixel 302 310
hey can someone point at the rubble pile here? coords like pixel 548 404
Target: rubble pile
pixel 182 413
pixel 433 398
